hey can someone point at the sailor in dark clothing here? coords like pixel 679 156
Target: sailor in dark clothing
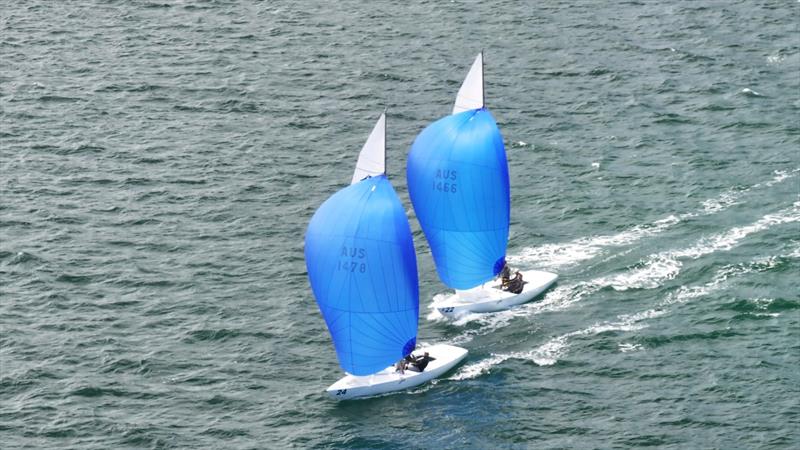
pixel 515 284
pixel 420 363
pixel 505 274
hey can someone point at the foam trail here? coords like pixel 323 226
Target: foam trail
pixel 781 175
pixel 546 354
pixel 728 240
pixel 562 255
pixel 664 266
pixel 795 254
pixel 553 256
pixel 653 273
pixel 554 349
pixel 722 202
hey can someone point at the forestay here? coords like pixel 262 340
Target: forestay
pixel 363 271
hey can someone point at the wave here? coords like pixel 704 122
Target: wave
pixel 795 254
pixel 749 91
pixel 780 176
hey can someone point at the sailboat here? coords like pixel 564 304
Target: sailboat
pixel 362 268
pixel 458 182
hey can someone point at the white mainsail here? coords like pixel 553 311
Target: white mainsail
pixel 372 159
pixel 470 96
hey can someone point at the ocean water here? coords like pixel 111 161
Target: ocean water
pixel 159 162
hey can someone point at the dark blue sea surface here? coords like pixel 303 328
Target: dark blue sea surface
pixel 159 163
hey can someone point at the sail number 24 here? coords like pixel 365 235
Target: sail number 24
pixel 444 181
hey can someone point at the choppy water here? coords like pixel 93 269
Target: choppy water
pixel 159 163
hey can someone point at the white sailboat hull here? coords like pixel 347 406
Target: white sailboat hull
pixel 388 380
pixel 489 298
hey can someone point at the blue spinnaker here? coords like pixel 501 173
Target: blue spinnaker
pixel 363 271
pixel 458 183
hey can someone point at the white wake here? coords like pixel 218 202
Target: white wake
pixel 559 255
pixel 555 348
pixel 657 269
